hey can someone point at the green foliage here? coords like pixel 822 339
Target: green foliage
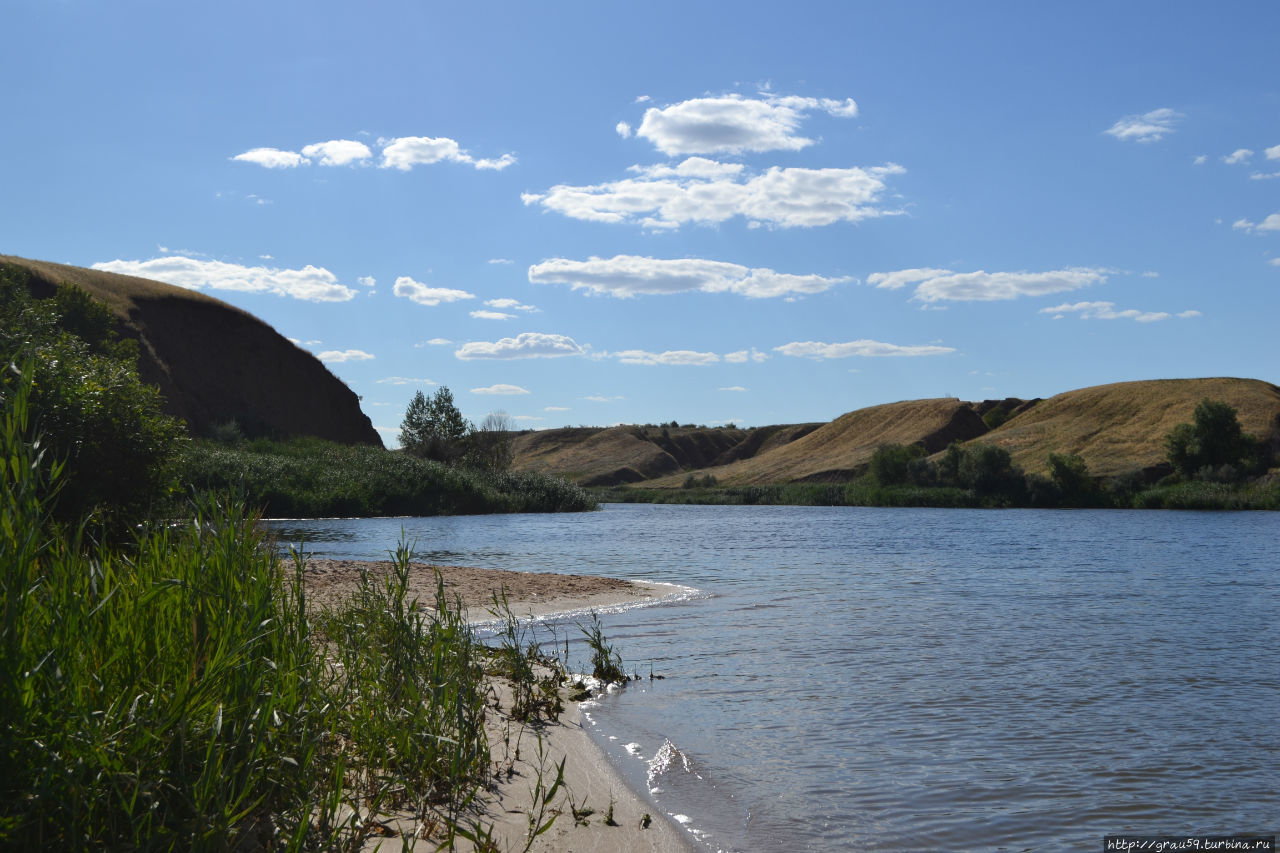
pixel 180 695
pixel 1214 447
pixel 85 397
pixel 489 444
pixel 891 464
pixel 434 428
pixel 308 477
pixel 606 663
pixel 989 470
pixel 996 417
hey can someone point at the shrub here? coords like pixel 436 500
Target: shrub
pixel 1214 446
pixel 891 464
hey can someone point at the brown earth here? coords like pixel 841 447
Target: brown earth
pixel 1121 427
pixel 215 363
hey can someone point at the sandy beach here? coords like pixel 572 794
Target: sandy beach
pixel 590 782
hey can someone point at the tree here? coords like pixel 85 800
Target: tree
pixel 891 463
pixel 1071 475
pixel 434 428
pixel 1214 446
pixel 491 443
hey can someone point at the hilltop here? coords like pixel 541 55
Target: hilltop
pixel 1116 429
pixel 215 363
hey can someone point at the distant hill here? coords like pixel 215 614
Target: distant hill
pixel 1115 428
pixel 1121 427
pixel 215 363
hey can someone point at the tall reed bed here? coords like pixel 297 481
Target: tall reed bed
pixel 174 694
pixel 308 477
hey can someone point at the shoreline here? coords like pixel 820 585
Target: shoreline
pixel 530 751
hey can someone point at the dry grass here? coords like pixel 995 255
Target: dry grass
pixel 836 449
pixel 1119 427
pixel 585 453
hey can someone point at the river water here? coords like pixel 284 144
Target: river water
pixel 902 679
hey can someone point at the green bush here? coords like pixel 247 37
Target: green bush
pixel 86 399
pixel 1214 447
pixel 891 464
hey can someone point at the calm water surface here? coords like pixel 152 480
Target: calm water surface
pixel 896 679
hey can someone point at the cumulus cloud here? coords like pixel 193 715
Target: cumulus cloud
pixel 492 315
pixel 338 356
pixel 1187 315
pixel 1237 157
pixel 933 285
pixel 401 153
pixel 785 198
pixel 405 152
pixel 1200 160
pixel 310 284
pixel 600 398
pixel 623 129
pixel 367 280
pixel 732 388
pixel 743 356
pixel 272 158
pixel 871 349
pixel 508 304
pixel 338 152
pixel 734 124
pixel 500 261
pixel 1107 311
pixel 1271 223
pixel 404 380
pixel 625 276
pixel 416 291
pixel 682 357
pixel 1148 127
pixel 524 345
pixel 501 390
pixel 434 342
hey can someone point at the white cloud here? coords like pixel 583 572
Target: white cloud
pixel 735 124
pixel 500 261
pixel 367 280
pixel 310 284
pixel 625 276
pixel 623 129
pixel 1273 153
pixel 780 197
pixel 404 380
pixel 1237 157
pixel 866 348
pixel 524 345
pixel 273 158
pixel 743 356
pixel 933 285
pixel 690 167
pixel 557 409
pixel 509 304
pixel 1271 223
pixel 492 315
pixel 1148 127
pixel 434 342
pixel 527 418
pixel 1200 160
pixel 501 390
pixel 337 356
pixel 733 388
pixel 416 291
pixel 1187 315
pixel 1264 176
pixel 405 152
pixel 338 152
pixel 599 398
pixel 901 278
pixel 682 357
pixel 1107 311
pixel 1275 262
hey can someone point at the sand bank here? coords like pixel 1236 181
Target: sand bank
pixel 590 781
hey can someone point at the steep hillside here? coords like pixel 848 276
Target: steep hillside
pixel 836 451
pixel 215 363
pixel 594 456
pixel 1121 427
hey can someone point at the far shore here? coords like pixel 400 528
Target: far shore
pixel 590 780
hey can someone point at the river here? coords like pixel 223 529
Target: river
pixel 910 679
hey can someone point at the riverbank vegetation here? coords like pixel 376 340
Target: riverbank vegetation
pixel 1213 465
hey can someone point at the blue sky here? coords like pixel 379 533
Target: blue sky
pixel 599 213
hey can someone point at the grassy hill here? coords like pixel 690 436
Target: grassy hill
pixel 215 363
pixel 1121 427
pixel 1115 428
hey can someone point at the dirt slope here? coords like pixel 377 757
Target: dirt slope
pixel 836 451
pixel 215 363
pixel 1121 427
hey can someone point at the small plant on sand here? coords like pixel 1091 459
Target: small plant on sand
pixel 606 663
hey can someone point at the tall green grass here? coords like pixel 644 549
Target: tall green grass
pixel 308 477
pixel 174 693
